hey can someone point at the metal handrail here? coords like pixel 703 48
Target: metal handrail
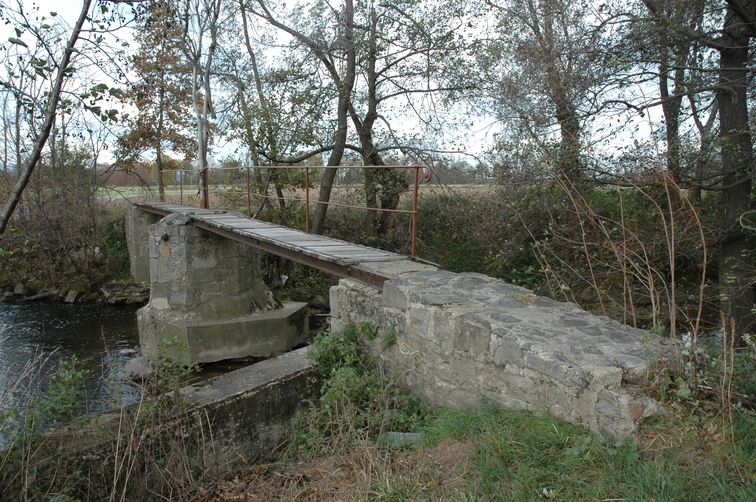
pixel 427 176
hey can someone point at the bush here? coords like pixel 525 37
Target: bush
pixel 357 402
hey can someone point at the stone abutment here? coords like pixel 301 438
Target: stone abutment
pixel 464 339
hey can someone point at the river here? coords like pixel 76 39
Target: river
pixel 34 337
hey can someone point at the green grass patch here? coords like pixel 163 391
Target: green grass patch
pixel 524 456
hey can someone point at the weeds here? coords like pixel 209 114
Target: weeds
pixel 358 403
pixel 66 386
pixel 23 441
pixel 156 449
pixel 388 339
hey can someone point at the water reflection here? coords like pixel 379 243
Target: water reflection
pixel 38 335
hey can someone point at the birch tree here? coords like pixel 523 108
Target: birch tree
pixel 201 26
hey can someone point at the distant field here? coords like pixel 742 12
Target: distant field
pixel 352 194
pixel 129 191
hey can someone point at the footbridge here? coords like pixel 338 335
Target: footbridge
pixel 452 339
pixel 337 257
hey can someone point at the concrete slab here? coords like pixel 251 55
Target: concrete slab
pixel 192 341
pixel 244 414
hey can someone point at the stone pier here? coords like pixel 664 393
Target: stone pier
pixel 137 227
pixel 207 301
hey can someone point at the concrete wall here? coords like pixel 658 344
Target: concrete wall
pixel 137 226
pixel 463 337
pixel 251 409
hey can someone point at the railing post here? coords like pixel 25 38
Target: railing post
pixel 307 199
pixel 204 190
pixel 414 212
pixel 249 205
pixel 181 187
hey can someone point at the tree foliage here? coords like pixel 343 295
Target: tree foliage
pixel 161 92
pixel 640 94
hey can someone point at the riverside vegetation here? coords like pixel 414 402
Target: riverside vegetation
pixel 340 449
pixel 642 257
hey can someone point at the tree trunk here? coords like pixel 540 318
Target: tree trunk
pixel 568 164
pixel 345 95
pixel 734 264
pixel 382 186
pixel 671 110
pixel 159 143
pixel 370 157
pixel 268 128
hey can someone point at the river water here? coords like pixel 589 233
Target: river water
pixel 34 337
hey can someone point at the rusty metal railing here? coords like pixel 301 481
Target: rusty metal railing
pixel 427 175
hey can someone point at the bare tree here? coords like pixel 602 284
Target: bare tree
pixel 546 65
pixel 62 72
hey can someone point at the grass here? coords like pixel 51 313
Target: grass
pixel 490 453
pixel 521 456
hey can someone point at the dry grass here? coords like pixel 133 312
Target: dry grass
pixel 429 473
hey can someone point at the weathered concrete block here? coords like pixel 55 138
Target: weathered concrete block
pixel 250 410
pixel 255 335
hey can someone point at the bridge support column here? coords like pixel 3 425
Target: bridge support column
pixel 207 300
pixel 137 225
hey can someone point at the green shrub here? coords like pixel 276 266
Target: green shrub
pixel 357 402
pixel 64 393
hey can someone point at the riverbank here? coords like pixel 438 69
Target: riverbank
pixel 49 258
pixel 112 293
pixel 96 339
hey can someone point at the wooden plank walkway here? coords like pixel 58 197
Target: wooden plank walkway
pixel 341 258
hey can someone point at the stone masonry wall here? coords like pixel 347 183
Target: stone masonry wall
pixel 137 225
pixel 197 274
pixel 464 338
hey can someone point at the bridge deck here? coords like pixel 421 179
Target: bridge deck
pixel 341 258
